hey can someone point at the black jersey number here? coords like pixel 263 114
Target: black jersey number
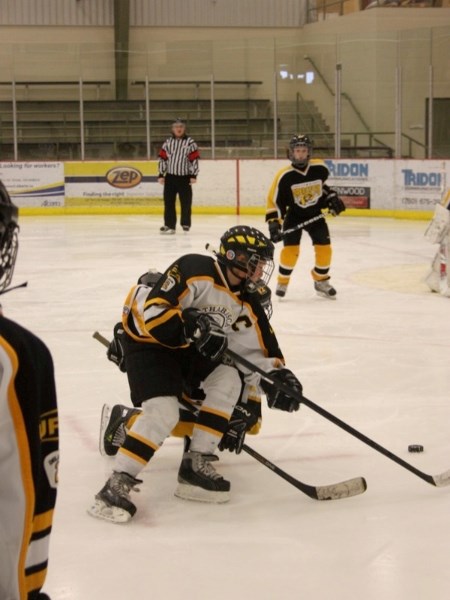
pixel 245 320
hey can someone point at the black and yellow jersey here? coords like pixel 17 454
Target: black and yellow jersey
pixel 153 315
pixel 297 190
pixel 28 460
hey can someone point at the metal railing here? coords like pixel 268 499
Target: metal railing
pixel 260 128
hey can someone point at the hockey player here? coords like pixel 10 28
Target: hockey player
pixel 438 232
pixel 295 202
pixel 28 440
pixel 246 417
pixel 179 331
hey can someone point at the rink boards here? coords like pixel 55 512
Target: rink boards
pixel 396 188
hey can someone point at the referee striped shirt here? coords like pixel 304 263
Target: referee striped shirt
pixel 179 156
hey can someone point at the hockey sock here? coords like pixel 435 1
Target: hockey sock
pixel 159 416
pixel 323 262
pixel 288 259
pixel 222 388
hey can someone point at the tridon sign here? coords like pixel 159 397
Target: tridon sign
pixel 420 179
pixel 358 170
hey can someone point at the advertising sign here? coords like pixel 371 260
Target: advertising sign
pixel 34 183
pixel 115 183
pixel 419 185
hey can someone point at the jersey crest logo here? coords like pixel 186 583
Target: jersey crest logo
pixel 221 314
pixel 307 193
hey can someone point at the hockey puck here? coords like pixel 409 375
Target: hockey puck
pixel 415 448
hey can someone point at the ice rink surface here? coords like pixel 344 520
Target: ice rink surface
pixel 378 358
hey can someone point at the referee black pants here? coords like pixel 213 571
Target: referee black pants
pixel 173 185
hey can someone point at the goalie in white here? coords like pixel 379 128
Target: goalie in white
pixel 438 232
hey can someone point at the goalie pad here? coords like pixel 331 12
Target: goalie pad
pixel 438 279
pixel 439 226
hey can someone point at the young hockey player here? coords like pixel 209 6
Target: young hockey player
pixel 178 331
pixel 295 202
pixel 246 417
pixel 28 440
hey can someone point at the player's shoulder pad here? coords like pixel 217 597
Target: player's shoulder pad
pixel 21 339
pixel 318 162
pixel 193 265
pixel 283 171
pixel 319 167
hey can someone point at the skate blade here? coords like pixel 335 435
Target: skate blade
pixel 198 494
pixel 104 420
pixel 113 514
pixel 323 295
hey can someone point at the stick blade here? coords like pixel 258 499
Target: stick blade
pixel 442 480
pixel 344 489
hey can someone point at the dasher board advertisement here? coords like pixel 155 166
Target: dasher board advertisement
pixel 115 183
pixel 34 184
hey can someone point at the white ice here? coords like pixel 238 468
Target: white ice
pixel 378 358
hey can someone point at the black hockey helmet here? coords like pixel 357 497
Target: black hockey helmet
pixel 300 141
pixel 249 250
pixel 9 241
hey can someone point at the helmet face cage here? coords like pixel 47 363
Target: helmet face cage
pixel 259 270
pixel 248 250
pixel 8 254
pixel 300 141
pixel 9 240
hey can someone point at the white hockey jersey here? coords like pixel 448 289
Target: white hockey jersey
pixel 153 315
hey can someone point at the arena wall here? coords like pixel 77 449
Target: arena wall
pixel 390 188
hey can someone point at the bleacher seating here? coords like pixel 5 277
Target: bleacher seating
pixel 110 124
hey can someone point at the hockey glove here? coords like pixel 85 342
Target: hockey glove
pixel 201 329
pixel 115 349
pixel 276 398
pixel 275 232
pixel 241 421
pixel 335 204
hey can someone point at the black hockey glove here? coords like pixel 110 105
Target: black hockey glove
pixel 334 203
pixel 241 421
pixel 115 348
pixel 201 329
pixel 275 232
pixel 276 398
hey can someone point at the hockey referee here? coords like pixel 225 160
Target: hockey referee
pixel 178 170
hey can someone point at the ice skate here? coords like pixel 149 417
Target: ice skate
pixel 113 502
pixel 198 479
pixel 186 228
pixel 281 290
pixel 112 427
pixel 324 289
pixel 164 230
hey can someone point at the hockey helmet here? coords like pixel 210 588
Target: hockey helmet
pixel 250 251
pixel 300 141
pixel 9 241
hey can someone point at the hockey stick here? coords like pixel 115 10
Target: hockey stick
pixel 440 480
pixel 344 489
pixel 98 336
pixel 304 224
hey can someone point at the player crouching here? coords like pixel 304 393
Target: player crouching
pixel 295 202
pixel 179 331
